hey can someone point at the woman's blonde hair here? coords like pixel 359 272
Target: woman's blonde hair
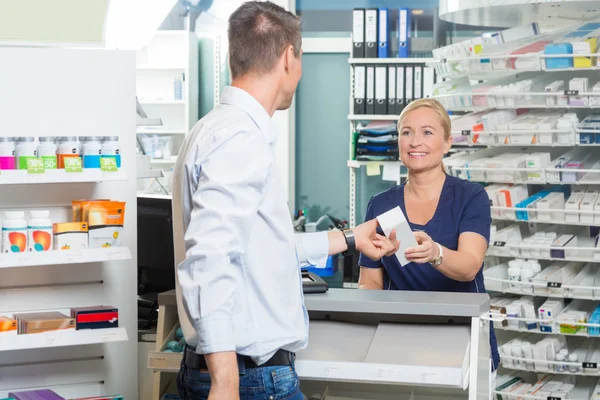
pixel 433 105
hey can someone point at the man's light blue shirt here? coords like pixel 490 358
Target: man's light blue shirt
pixel 239 286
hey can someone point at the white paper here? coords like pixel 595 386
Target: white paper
pixel 395 219
pixel 391 172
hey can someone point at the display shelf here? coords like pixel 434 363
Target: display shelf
pixel 173 68
pixel 162 102
pixel 167 161
pixel 390 60
pixel 155 196
pixel 498 251
pixel 359 164
pixel 57 257
pixel 371 117
pixel 153 173
pixel 537 331
pixel 159 131
pixel 495 284
pixel 553 221
pixel 16 177
pixel 62 339
pixel 520 175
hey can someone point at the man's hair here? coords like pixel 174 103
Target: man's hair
pixel 258 34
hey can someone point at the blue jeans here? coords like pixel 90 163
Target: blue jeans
pixel 264 383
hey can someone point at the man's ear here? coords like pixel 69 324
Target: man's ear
pixel 288 54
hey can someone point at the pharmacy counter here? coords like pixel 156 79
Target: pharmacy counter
pixel 391 338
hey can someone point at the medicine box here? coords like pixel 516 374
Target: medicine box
pixel 560 62
pixel 572 207
pixel 586 208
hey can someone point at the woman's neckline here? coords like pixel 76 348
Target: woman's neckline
pixel 437 208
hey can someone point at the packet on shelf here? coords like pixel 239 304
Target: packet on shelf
pixel 70 235
pixel 106 221
pixel 8 325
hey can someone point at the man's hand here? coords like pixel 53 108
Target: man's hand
pixel 372 244
pixel 224 376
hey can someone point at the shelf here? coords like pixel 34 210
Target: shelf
pixel 537 331
pixel 389 60
pixel 161 131
pixel 491 282
pixel 154 196
pixel 159 68
pixel 365 117
pixel 358 164
pixel 535 221
pixel 58 257
pixel 495 251
pixel 153 173
pixel 168 161
pixel 162 102
pixel 15 177
pixel 12 342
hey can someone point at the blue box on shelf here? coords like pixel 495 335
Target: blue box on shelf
pixel 559 48
pixel 330 268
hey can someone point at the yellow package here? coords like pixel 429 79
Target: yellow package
pixel 70 235
pixel 7 324
pixel 78 208
pixel 85 207
pixel 106 220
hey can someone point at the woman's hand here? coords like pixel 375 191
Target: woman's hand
pixel 425 252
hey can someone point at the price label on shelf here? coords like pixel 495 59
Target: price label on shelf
pixel 73 164
pixel 466 132
pixel 108 164
pixel 499 244
pixel 554 285
pixel 589 365
pixel 35 166
pixel 554 398
pixel 571 92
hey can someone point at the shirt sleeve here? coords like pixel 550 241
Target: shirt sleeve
pixel 231 184
pixel 363 260
pixel 476 216
pixel 312 249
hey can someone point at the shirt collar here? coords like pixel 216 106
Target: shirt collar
pixel 242 99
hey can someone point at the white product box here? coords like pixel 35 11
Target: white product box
pixel 553 201
pixel 395 219
pixel 547 312
pixel 572 207
pixel 586 208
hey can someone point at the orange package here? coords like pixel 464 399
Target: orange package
pixel 7 324
pixel 105 222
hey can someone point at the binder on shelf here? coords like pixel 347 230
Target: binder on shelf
pixel 391 93
pixel 400 89
pixel 359 89
pixel 428 82
pixel 370 105
pixel 371 29
pixel 418 84
pixel 358 33
pixel 408 85
pixel 381 90
pixel 384 33
pixel 403 32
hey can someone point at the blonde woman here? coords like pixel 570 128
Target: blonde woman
pixel 450 217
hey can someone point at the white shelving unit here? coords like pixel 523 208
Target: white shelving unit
pixel 496 277
pixel 77 92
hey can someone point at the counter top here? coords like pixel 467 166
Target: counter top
pixel 399 302
pixel 387 302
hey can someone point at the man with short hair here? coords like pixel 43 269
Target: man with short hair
pixel 239 286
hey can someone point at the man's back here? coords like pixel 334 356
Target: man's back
pixel 232 227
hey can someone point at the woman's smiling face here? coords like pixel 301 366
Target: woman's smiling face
pixel 422 140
